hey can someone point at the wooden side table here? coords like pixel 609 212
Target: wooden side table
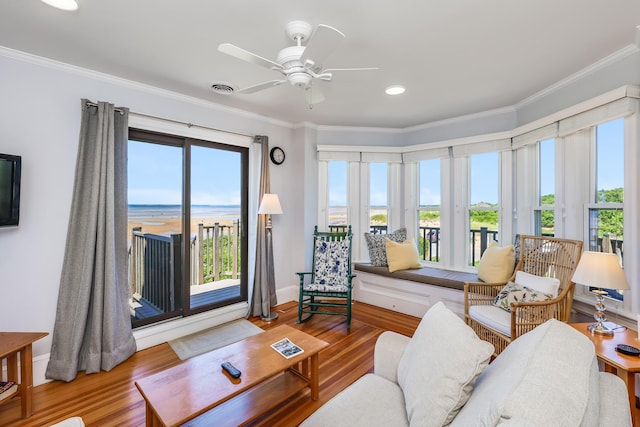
pixel 12 344
pixel 617 363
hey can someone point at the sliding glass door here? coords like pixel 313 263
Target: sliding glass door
pixel 187 218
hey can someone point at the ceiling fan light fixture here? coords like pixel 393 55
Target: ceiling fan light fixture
pixel 395 90
pixel 299 79
pixel 69 5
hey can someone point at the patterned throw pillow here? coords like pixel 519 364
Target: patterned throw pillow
pixel 513 292
pixel 377 245
pixel 331 266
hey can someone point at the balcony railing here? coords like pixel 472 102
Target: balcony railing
pixel 155 271
pixel 429 244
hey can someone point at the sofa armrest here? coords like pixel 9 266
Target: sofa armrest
pixel 614 402
pixel 387 353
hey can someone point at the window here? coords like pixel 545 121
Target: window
pixel 483 203
pixel 338 206
pixel 544 217
pixel 605 215
pixel 429 210
pixel 181 187
pixel 378 213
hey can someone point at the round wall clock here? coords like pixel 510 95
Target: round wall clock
pixel 277 155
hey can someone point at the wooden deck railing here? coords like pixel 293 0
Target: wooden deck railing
pixel 155 271
pixel 429 245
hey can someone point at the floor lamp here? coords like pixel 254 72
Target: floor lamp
pixel 270 205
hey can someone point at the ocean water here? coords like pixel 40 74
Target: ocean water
pixel 175 211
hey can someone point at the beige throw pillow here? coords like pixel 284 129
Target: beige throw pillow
pixel 402 255
pixel 439 367
pixel 497 263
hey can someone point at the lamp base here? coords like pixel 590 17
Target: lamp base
pixel 600 329
pixel 269 317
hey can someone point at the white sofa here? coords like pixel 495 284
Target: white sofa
pixel 547 377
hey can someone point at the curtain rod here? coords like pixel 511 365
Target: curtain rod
pixel 93 104
pixel 190 125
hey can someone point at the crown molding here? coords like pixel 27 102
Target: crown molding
pixel 119 81
pixel 596 66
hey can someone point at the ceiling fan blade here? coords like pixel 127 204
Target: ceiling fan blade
pixel 261 86
pixel 321 44
pixel 328 70
pixel 313 95
pixel 245 55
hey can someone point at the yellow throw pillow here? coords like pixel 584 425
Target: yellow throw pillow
pixel 497 264
pixel 402 255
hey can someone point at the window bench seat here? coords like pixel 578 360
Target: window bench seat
pixel 411 291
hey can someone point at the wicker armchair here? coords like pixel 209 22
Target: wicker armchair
pixel 540 256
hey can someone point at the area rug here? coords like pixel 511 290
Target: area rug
pixel 213 338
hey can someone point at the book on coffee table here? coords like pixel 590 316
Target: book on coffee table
pixel 286 348
pixel 7 389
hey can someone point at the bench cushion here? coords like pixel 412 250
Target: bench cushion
pixel 429 275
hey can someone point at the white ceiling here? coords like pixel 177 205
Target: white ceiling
pixel 455 57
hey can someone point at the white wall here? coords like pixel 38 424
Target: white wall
pixel 40 120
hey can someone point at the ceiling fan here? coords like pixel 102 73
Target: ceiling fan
pixel 301 64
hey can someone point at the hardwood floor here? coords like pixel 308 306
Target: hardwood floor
pixel 111 398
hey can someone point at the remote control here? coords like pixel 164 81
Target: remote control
pixel 628 350
pixel 235 373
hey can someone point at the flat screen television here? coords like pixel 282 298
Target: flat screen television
pixel 10 168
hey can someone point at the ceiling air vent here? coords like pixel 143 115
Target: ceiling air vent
pixel 223 88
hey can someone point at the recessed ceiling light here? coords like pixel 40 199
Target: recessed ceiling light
pixel 62 4
pixel 394 90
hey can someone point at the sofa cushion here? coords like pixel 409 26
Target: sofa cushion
pixel 439 367
pixel 530 382
pixel 370 401
pixel 402 255
pixel 377 245
pixel 515 292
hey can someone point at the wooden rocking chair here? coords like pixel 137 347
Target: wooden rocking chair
pixel 540 256
pixel 330 286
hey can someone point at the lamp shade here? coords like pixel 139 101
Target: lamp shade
pixel 600 270
pixel 270 205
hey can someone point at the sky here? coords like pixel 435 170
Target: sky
pixel 155 175
pixel 484 172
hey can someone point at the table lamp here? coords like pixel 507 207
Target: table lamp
pixel 600 270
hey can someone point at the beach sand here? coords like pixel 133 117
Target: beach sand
pixel 168 226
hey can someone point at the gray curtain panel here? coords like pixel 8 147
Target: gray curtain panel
pixel 93 327
pixel 264 286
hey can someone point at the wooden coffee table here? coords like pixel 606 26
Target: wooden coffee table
pixel 199 392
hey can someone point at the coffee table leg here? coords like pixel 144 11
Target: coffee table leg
pixel 313 383
pixel 150 417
